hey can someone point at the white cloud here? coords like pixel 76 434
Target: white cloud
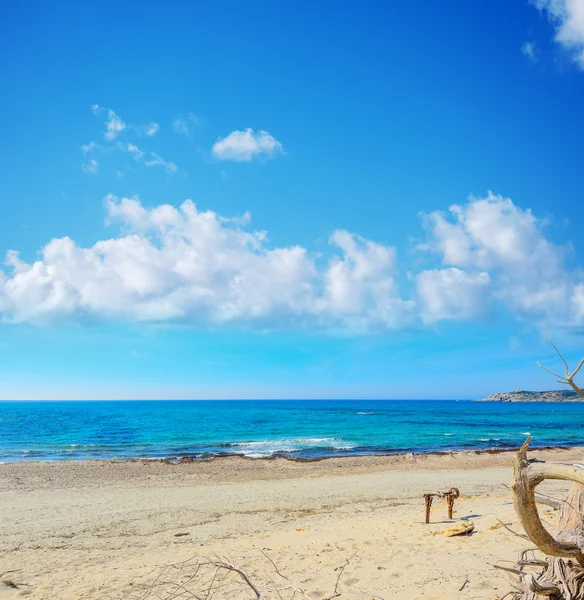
pixel 568 19
pixel 184 125
pixel 113 124
pixel 152 129
pixel 492 235
pixel 91 167
pixel 196 267
pixel 89 147
pixel 158 161
pixel 132 149
pixel 453 294
pixel 150 159
pixel 149 130
pixel 528 49
pixel 359 284
pixel 243 146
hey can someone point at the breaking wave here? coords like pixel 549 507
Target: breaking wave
pixel 267 448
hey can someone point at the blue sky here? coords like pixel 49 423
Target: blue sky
pixel 289 200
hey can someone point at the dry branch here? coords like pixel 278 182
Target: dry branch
pixel 527 474
pixel 561 575
pixel 220 577
pixel 568 377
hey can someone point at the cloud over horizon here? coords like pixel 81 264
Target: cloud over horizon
pixel 196 267
pixel 492 236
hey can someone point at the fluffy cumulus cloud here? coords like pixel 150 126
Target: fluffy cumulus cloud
pixel 568 19
pixel 168 264
pixel 196 267
pixel 493 248
pixel 359 285
pixel 244 146
pixel 453 294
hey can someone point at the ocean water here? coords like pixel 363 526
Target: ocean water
pixel 262 429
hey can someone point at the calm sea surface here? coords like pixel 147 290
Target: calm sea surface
pixel 258 429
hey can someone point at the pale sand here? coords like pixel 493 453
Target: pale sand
pixel 100 529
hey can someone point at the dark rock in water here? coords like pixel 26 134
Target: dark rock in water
pixel 524 396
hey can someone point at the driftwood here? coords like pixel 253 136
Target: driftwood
pixel 560 575
pixel 428 504
pixel 450 496
pixel 459 529
pixel 527 474
pixel 213 578
pixel 573 509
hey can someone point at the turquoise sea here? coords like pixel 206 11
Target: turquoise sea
pixel 261 429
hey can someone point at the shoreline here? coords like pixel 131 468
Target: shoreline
pixel 59 475
pixel 185 459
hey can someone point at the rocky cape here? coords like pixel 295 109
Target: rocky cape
pixel 524 396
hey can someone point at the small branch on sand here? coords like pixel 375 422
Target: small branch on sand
pixel 336 592
pixel 466 581
pixel 220 577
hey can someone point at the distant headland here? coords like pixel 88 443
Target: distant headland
pixel 524 396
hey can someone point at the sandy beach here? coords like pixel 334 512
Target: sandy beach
pixel 92 529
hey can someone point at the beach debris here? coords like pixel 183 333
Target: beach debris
pixel 9 584
pixel 560 574
pixel 498 525
pixel 219 577
pixel 181 534
pixel 459 529
pixel 428 501
pixel 466 581
pixel 450 496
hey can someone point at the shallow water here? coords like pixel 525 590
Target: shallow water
pixel 261 429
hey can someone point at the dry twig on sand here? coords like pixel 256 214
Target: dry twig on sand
pixel 219 578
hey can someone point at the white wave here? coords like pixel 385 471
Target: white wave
pixel 447 434
pixel 366 413
pixel 264 448
pixel 525 433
